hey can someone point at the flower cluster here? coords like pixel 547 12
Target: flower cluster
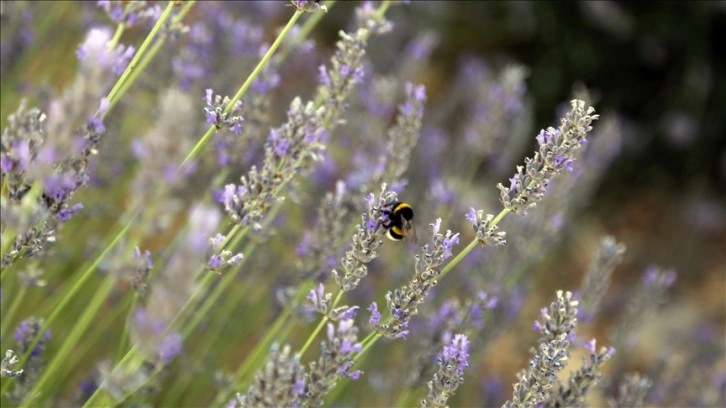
pixel 130 13
pixel 25 336
pixel 557 151
pixel 556 325
pixel 158 343
pixel 308 6
pixel 217 114
pixel 573 394
pixel 280 383
pixel 402 303
pixel 486 233
pixel 335 361
pixel 453 361
pixel 286 147
pixel 346 70
pixel 19 146
pixel 366 241
pixel 95 53
pixel 221 259
pixel 451 317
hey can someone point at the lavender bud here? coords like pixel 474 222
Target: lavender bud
pixel 320 299
pixel 216 114
pixel 486 233
pixel 7 367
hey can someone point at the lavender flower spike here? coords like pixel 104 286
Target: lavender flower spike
pixel 403 302
pixel 335 362
pixel 557 323
pixel 280 383
pixel 449 376
pixel 557 151
pixel 366 241
pixel 287 146
pixel 573 394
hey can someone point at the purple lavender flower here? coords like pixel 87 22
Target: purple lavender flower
pixel 453 361
pixel 335 361
pixel 486 233
pixel 248 202
pixel 402 138
pixel 21 142
pixel 556 325
pixel 170 347
pixel 130 13
pixel 403 302
pixel 25 335
pixel 573 393
pixel 375 318
pixel 557 150
pixel 320 299
pixel 221 259
pixel 366 241
pixel 280 383
pixel 94 53
pixel 217 114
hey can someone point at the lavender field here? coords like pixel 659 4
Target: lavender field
pixel 362 204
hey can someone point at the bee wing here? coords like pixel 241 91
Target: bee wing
pixel 410 231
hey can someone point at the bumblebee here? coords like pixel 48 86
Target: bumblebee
pixel 400 224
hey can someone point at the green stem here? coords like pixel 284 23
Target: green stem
pixel 146 59
pixel 265 59
pixel 142 49
pixel 71 340
pixel 402 399
pixel 116 36
pixel 313 335
pixel 17 300
pixel 70 294
pixel 124 334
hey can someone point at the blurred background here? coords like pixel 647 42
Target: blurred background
pixel 660 68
